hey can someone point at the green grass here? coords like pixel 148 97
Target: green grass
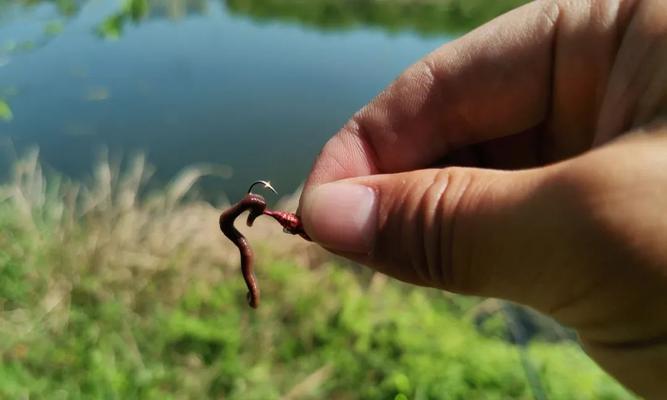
pixel 104 295
pixel 426 17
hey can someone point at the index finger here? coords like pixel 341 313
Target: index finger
pixel 490 83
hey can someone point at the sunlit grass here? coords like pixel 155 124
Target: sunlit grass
pixel 110 292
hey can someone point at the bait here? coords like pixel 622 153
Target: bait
pixel 256 205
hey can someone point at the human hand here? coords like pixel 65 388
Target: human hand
pixel 535 216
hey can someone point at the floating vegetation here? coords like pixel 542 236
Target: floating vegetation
pixel 5 111
pixel 97 93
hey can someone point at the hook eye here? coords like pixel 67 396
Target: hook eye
pixel 265 184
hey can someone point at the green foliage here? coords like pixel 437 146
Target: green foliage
pixel 133 10
pixel 53 28
pixel 5 111
pixel 67 7
pixel 425 17
pixel 327 332
pixel 112 27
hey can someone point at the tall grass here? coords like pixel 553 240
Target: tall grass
pixel 110 292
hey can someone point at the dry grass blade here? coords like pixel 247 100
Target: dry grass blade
pixel 132 239
pixel 310 384
pixel 185 180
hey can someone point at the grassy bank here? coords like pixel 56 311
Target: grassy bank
pixel 105 295
pixel 426 17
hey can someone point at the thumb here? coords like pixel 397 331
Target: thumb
pixel 468 230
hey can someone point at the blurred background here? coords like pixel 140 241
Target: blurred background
pixel 126 126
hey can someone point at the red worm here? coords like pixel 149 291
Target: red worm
pixel 256 204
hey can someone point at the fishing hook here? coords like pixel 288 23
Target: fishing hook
pixel 266 184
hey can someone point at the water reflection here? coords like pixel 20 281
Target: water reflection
pixel 214 85
pixel 135 11
pixel 425 17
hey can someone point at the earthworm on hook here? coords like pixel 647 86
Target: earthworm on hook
pixel 256 205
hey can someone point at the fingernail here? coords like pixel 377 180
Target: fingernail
pixel 342 216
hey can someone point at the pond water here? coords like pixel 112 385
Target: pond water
pixel 257 86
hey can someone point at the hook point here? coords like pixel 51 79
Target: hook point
pixel 266 184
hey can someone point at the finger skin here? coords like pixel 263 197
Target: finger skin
pixel 460 229
pixel 636 90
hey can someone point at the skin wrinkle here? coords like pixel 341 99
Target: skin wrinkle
pixel 333 157
pixel 625 82
pixel 437 97
pixel 340 165
pixel 449 98
pixel 410 232
pixel 552 12
pixel 607 13
pixel 351 133
pixel 416 224
pixel 425 223
pixel 402 227
pixel 574 80
pixel 432 247
pixel 459 122
pixel 561 310
pixel 639 84
pixel 611 16
pixel 412 102
pixel 626 9
pixel 366 146
pixel 439 214
pixel 460 183
pixel 413 235
pixel 420 106
pixel 384 127
pixel 649 103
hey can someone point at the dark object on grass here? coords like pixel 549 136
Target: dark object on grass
pixel 256 204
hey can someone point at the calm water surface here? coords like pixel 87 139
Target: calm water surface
pixel 198 84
